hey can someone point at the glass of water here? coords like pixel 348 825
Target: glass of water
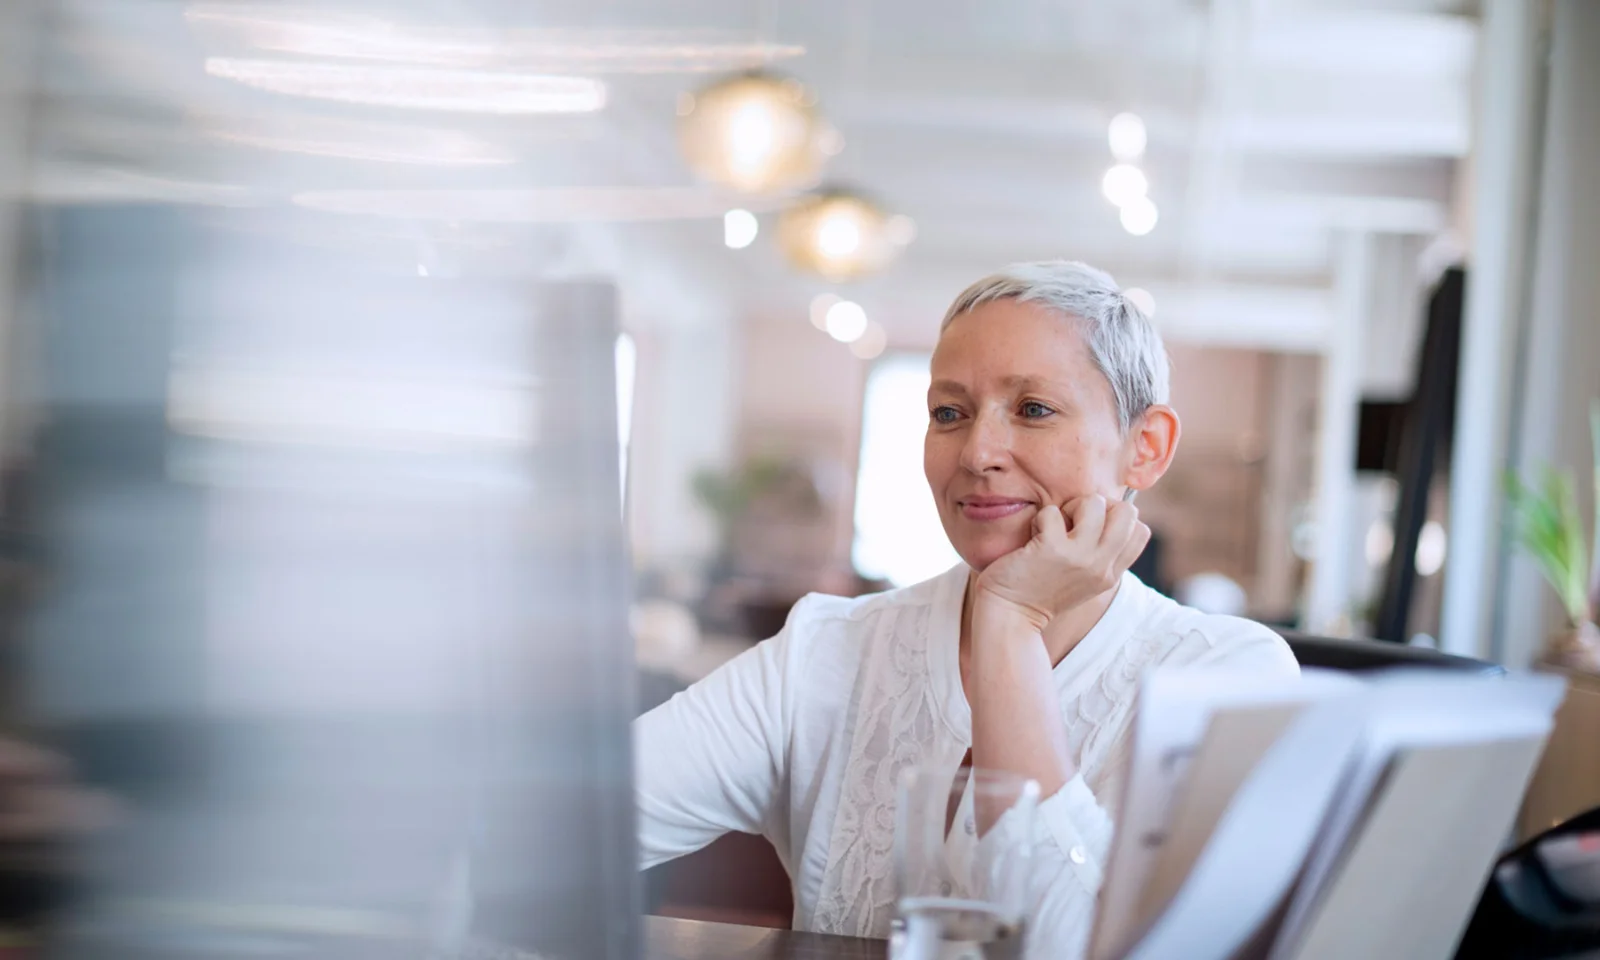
pixel 963 852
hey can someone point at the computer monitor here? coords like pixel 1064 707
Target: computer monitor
pixel 337 596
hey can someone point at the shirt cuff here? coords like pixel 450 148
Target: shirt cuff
pixel 1081 828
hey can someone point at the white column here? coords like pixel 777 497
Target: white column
pixel 1500 200
pixel 1560 371
pixel 1329 597
pixel 1287 479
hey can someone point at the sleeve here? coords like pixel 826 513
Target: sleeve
pixel 711 759
pixel 1245 645
pixel 1071 838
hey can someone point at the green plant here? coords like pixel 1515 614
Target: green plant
pixel 1545 522
pixel 727 495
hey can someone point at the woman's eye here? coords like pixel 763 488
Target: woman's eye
pixel 1034 410
pixel 944 414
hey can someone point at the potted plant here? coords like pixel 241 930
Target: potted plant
pixel 761 487
pixel 1545 522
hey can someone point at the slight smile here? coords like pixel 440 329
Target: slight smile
pixel 986 509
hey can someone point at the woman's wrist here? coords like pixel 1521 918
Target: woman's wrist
pixel 1004 629
pixel 995 615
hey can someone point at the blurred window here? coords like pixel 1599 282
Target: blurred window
pixel 898 535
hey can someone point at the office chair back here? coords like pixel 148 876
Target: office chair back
pixel 1365 656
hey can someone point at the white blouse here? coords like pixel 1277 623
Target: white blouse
pixel 802 739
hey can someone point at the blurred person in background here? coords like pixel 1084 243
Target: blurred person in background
pixel 1047 409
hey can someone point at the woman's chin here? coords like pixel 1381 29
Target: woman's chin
pixel 978 554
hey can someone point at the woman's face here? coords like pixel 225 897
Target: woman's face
pixel 1018 416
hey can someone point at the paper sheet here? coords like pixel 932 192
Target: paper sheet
pixel 1175 710
pixel 1364 824
pixel 1414 709
pixel 1408 885
pixel 1242 876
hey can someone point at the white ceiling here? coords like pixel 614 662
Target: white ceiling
pixel 1273 124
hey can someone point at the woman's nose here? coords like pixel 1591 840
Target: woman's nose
pixel 988 446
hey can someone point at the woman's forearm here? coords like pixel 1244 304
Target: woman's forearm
pixel 1016 717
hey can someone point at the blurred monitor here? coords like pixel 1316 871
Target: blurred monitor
pixel 1378 429
pixel 337 596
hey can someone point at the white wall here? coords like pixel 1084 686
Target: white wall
pixel 685 404
pixel 800 392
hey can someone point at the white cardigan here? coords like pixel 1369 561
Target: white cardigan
pixel 803 737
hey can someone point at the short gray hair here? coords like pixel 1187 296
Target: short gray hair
pixel 1121 339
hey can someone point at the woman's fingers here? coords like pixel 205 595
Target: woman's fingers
pixel 1138 539
pixel 1120 520
pixel 1050 526
pixel 1089 519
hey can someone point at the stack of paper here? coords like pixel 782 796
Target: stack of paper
pixel 1331 818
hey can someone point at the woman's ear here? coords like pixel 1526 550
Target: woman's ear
pixel 1154 441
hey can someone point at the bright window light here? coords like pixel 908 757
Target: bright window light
pixel 898 535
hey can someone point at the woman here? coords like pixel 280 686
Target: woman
pixel 1047 410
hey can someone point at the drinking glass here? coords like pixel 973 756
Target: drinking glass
pixel 963 849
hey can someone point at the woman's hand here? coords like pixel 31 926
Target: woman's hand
pixel 1061 568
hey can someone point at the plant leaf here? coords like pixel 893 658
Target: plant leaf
pixel 1545 522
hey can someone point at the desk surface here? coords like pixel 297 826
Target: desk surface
pixel 694 940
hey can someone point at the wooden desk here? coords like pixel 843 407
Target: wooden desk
pixel 1567 780
pixel 667 939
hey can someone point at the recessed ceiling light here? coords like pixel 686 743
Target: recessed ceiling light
pixel 1124 183
pixel 846 321
pixel 375 143
pixel 419 88
pixel 820 305
pixel 871 343
pixel 1139 217
pixel 537 205
pixel 1142 299
pixel 307 31
pixel 1127 136
pixel 739 228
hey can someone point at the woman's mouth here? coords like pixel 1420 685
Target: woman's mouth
pixel 986 509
